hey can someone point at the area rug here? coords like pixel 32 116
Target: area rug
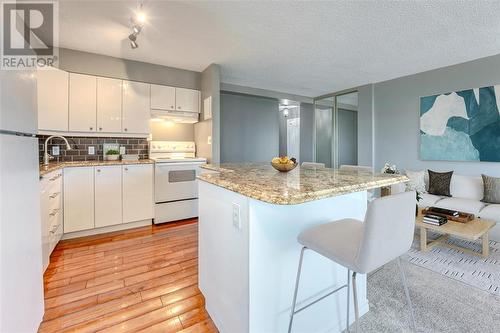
pixel 482 273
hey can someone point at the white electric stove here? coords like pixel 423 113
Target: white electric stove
pixel 176 186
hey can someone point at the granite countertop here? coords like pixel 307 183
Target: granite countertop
pixel 53 166
pixel 264 183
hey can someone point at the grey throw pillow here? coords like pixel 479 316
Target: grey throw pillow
pixel 439 183
pixel 491 189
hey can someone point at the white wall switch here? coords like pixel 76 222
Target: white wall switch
pixel 236 216
pixel 91 150
pixel 122 150
pixel 209 140
pixel 55 151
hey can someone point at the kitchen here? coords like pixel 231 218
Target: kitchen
pixel 118 146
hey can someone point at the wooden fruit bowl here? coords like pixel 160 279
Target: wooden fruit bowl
pixel 283 167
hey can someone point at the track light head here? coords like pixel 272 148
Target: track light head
pixel 133 44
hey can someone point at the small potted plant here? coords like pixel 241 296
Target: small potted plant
pixel 390 169
pixel 112 155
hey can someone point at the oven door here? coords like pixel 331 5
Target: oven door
pixel 176 181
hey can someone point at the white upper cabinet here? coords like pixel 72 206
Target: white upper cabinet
pixel 52 88
pixel 187 100
pixel 109 105
pixel 82 103
pixel 137 192
pixel 162 97
pixel 136 107
pixel 108 199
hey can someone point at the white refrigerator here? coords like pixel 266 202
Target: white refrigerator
pixel 21 276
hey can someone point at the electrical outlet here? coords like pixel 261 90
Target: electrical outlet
pixel 55 151
pixel 236 216
pixel 209 140
pixel 91 150
pixel 122 150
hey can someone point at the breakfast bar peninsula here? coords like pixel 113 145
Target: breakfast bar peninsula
pixel 249 219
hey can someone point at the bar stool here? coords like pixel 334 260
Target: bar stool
pixel 347 167
pixel 312 165
pixel 385 235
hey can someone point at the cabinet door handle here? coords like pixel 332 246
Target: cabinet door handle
pixel 55 177
pixel 125 129
pixel 91 128
pixel 54 195
pixel 178 107
pixel 172 107
pixel 126 169
pixel 100 128
pixel 54 212
pixel 98 170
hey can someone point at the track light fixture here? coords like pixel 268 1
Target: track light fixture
pixel 137 24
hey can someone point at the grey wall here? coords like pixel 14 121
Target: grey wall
pixel 306 132
pixel 365 125
pixel 264 93
pixel 209 128
pixel 101 65
pixel 396 113
pixel 249 129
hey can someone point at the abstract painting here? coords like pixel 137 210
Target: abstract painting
pixel 461 126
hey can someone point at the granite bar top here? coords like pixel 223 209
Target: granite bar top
pixel 45 169
pixel 264 183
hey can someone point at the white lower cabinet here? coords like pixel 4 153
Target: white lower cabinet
pixel 108 198
pixel 78 199
pixel 102 196
pixel 51 213
pixel 137 192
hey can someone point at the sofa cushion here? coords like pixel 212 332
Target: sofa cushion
pixel 461 204
pixel 439 183
pixel 491 212
pixel 491 189
pixel 467 187
pixel 428 199
pixel 417 181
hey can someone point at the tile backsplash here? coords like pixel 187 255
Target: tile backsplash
pixel 80 145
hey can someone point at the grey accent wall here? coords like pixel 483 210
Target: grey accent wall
pixel 365 125
pixel 167 131
pixel 101 65
pixel 209 128
pixel 306 132
pixel 249 128
pixel 396 106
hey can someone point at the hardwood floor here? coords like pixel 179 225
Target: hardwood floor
pixel 139 280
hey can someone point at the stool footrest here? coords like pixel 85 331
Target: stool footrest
pixel 319 299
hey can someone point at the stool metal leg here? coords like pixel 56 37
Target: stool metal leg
pixel 348 298
pixel 355 295
pixel 407 293
pixel 296 289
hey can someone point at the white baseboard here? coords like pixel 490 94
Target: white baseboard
pixel 110 228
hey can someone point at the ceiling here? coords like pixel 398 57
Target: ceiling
pixel 305 48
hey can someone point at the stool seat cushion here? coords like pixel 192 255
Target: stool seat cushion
pixel 338 241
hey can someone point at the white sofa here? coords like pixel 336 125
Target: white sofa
pixel 466 195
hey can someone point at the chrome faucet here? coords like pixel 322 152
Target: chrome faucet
pixel 46 156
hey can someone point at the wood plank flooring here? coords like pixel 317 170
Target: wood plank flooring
pixel 138 280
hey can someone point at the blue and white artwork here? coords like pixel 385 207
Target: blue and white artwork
pixel 461 126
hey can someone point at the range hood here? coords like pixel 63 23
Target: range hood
pixel 175 116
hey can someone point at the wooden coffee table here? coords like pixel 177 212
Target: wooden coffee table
pixel 473 230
